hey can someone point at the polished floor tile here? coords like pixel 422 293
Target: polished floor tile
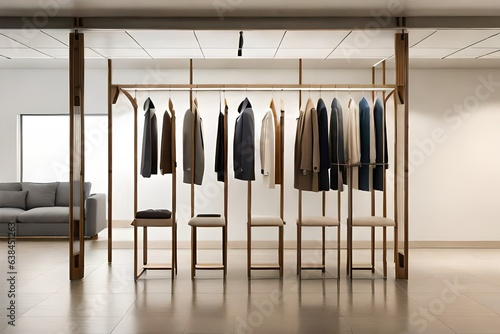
pixel 449 291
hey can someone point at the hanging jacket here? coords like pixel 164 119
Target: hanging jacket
pixel 381 145
pixel 324 147
pixel 193 122
pixel 244 143
pixel 337 152
pixel 149 158
pixel 306 155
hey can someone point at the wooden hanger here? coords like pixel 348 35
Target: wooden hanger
pixel 171 106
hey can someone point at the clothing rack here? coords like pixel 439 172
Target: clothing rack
pixel 398 90
pixel 145 223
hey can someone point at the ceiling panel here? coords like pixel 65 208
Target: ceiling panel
pixel 369 39
pixel 109 39
pixel 232 53
pixel 61 35
pixel 303 53
pixel 165 39
pixel 122 53
pixel 472 52
pixel 454 38
pixel 493 42
pixel 6 42
pixel 418 35
pixel 361 53
pixel 175 53
pixel 63 53
pixel 312 39
pixel 22 53
pixel 494 55
pixel 33 38
pixel 229 39
pixel 430 53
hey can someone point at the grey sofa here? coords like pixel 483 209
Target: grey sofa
pixel 42 209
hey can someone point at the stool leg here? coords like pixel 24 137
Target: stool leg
pixel 349 249
pixel 224 249
pixel 281 250
pixel 145 246
pixel 193 251
pixel 299 250
pixel 373 249
pixel 249 249
pixel 385 250
pixel 323 248
pixel 135 254
pixel 338 251
pixel 174 250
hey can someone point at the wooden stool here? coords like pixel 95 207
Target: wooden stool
pixel 370 221
pixel 142 221
pixel 207 222
pixel 323 222
pixel 265 221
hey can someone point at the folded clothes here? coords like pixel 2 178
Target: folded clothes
pixel 153 214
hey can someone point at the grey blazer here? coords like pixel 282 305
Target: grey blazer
pixel 244 143
pixel 193 126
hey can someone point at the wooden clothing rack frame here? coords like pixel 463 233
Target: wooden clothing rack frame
pixel 267 221
pixel 208 222
pixel 145 223
pixel 399 91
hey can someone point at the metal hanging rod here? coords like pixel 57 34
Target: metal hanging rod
pixel 256 87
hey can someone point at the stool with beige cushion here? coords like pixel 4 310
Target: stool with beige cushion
pixel 317 221
pixel 210 220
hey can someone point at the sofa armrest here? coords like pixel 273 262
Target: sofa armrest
pixel 95 214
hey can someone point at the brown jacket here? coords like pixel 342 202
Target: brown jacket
pixel 307 149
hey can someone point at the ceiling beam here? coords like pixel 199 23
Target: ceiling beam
pixel 247 23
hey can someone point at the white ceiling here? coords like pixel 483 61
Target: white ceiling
pixel 218 8
pixel 375 45
pixel 472 48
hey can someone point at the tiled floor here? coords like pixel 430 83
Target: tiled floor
pixel 449 291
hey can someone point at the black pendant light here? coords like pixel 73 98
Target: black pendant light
pixel 240 45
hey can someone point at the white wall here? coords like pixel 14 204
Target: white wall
pixel 454 166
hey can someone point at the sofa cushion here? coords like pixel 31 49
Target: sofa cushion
pixel 57 214
pixel 40 194
pixel 8 215
pixel 10 186
pixel 13 199
pixel 62 193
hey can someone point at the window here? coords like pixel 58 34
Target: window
pixel 45 149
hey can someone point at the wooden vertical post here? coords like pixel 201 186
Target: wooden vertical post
pixel 110 161
pixel 402 82
pixel 249 229
pixel 193 153
pixel 174 191
pixel 299 225
pixel 77 156
pixel 226 189
pixel 372 192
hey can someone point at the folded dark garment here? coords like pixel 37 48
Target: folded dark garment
pixel 208 215
pixel 154 214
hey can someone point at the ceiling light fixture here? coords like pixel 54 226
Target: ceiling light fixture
pixel 240 45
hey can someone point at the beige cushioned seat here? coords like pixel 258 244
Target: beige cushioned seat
pixel 372 221
pixel 266 221
pixel 319 221
pixel 207 222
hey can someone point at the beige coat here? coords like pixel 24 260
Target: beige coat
pixel 267 149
